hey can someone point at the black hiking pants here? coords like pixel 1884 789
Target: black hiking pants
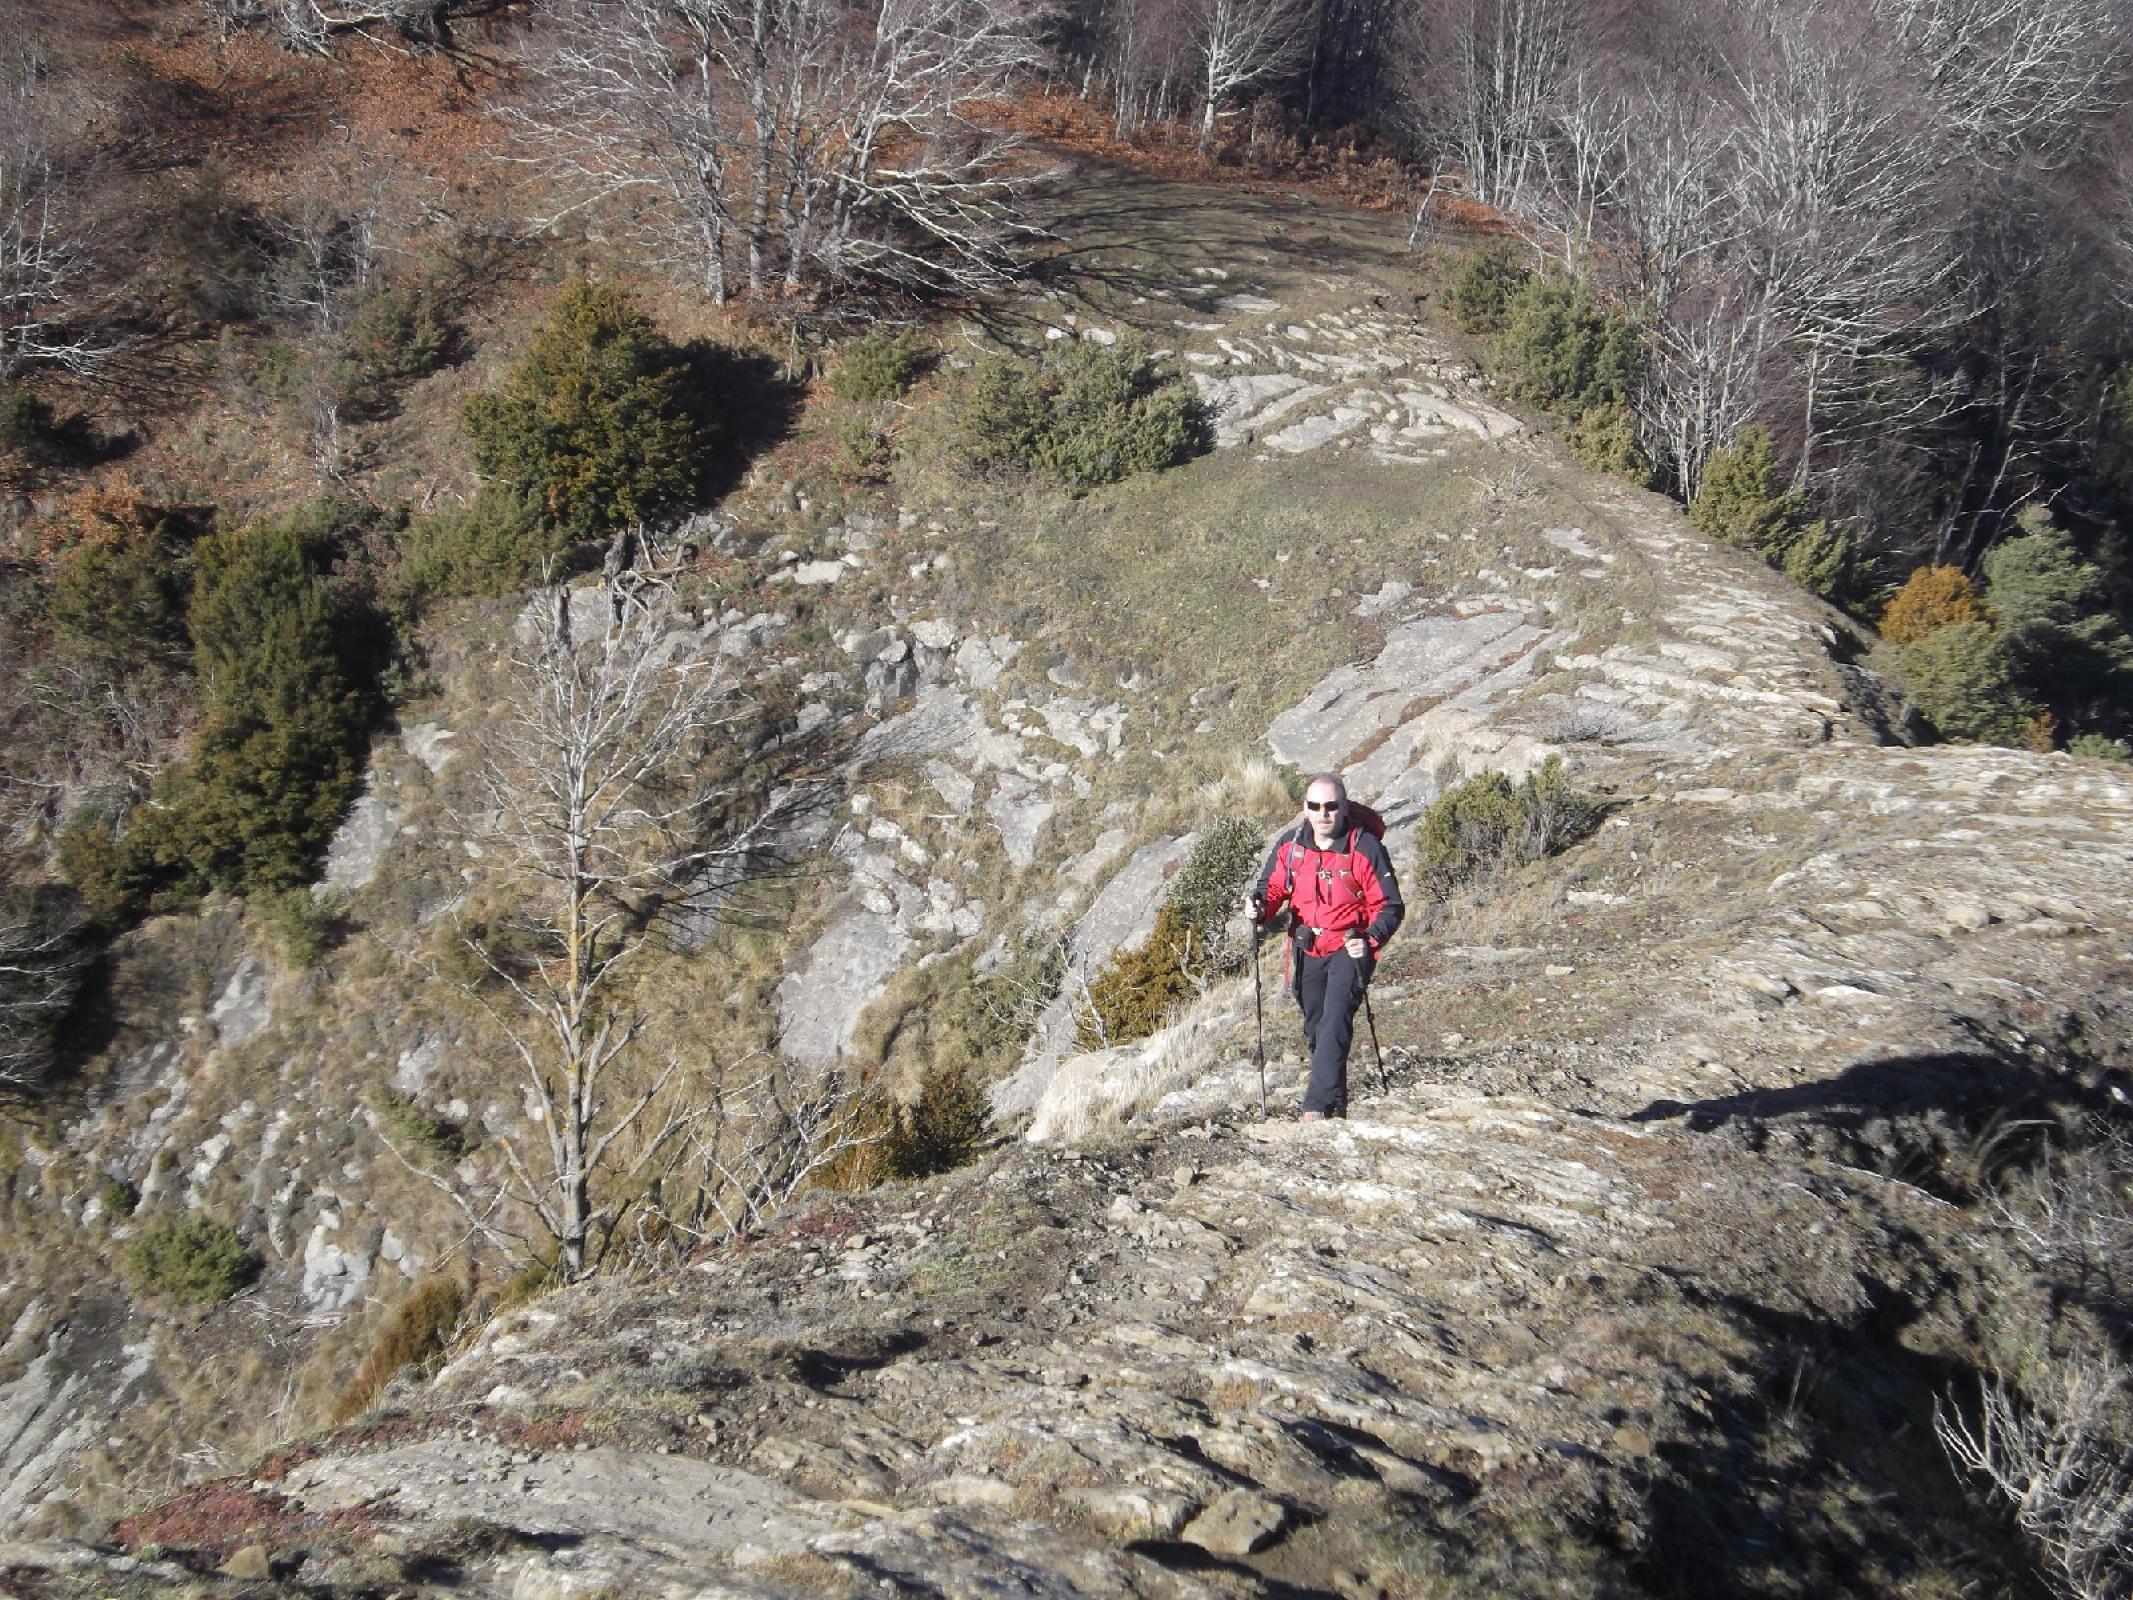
pixel 1330 990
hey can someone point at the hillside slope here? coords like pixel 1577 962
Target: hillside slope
pixel 1637 1270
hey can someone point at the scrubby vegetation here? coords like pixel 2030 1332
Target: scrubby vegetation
pixel 1193 940
pixel 196 1260
pixel 602 423
pixel 879 367
pixel 1081 414
pixel 419 1333
pixel 1487 824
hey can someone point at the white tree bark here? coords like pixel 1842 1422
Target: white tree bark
pixel 817 140
pixel 595 814
pixel 1240 43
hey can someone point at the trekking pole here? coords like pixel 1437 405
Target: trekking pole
pixel 1376 1054
pixel 1259 1016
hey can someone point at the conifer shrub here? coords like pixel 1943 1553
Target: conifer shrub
pixel 409 1127
pixel 1823 559
pixel 418 1335
pixel 1487 824
pixel 120 1199
pixel 395 335
pixel 1140 989
pixel 1563 349
pixel 879 368
pixel 120 571
pixel 1208 888
pixel 602 423
pixel 1743 499
pixel 2100 747
pixel 194 1260
pixel 497 544
pixel 1484 284
pixel 1083 414
pixel 940 1130
pixel 1605 437
pixel 277 755
pixel 1931 598
pixel 300 926
pixel 1966 681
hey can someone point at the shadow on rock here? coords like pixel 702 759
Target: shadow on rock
pixel 1951 1123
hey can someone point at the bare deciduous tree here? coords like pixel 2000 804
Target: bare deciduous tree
pixel 310 27
pixel 1240 43
pixel 49 245
pixel 598 815
pixel 1480 77
pixel 40 972
pixel 2009 76
pixel 813 137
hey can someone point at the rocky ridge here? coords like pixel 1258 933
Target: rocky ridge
pixel 1516 1325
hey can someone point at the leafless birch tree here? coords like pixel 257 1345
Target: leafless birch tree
pixel 597 813
pixel 1480 79
pixel 40 971
pixel 1240 43
pixel 812 138
pixel 49 244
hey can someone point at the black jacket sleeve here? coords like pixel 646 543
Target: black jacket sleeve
pixel 1390 914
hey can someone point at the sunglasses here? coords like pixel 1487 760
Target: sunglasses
pixel 1322 805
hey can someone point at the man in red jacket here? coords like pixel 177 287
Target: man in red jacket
pixel 1344 902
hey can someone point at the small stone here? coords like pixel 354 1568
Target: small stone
pixel 1558 972
pixel 248 1564
pixel 1237 1523
pixel 1184 1177
pixel 1632 1441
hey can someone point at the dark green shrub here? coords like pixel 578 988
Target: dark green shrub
pixel 420 1332
pixel 879 368
pixel 1211 884
pixel 1605 437
pixel 112 871
pixel 1968 684
pixel 496 545
pixel 395 335
pixel 2068 643
pixel 277 755
pixel 194 1260
pixel 1562 349
pixel 120 1199
pixel 1485 283
pixel 1743 500
pixel 1823 559
pixel 2099 747
pixel 301 928
pixel 942 1129
pixel 1083 415
pixel 406 1124
pixel 601 423
pixel 1195 938
pixel 1488 824
pixel 29 428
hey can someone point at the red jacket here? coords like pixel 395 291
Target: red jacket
pixel 1346 887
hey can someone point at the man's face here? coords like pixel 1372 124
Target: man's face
pixel 1324 806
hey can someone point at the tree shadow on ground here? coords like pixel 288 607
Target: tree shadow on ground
pixel 1826 1477
pixel 756 405
pixel 1950 1122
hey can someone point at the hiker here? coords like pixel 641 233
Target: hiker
pixel 1344 903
